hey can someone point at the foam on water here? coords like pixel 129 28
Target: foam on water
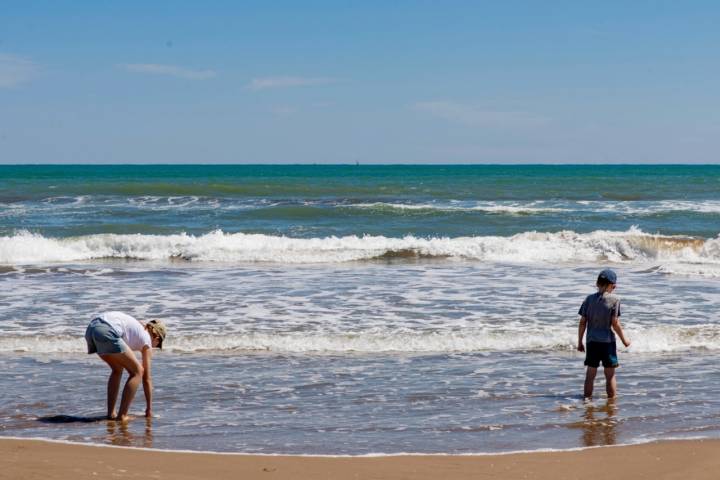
pixel 655 339
pixel 651 208
pixel 190 202
pixel 488 207
pixel 639 208
pixel 632 245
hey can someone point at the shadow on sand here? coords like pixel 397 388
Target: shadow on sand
pixel 71 419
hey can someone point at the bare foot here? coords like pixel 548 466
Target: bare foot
pixel 123 418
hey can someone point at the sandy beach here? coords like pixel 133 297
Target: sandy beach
pixel 37 459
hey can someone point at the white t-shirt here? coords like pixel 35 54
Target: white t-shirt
pixel 127 327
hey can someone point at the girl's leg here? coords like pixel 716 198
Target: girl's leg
pixel 127 361
pixel 113 386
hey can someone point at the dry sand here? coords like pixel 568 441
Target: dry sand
pixel 36 459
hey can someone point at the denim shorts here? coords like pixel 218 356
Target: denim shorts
pixel 596 352
pixel 102 339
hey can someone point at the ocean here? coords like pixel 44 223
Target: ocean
pixel 363 309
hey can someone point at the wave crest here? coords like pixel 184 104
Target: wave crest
pixel 530 247
pixel 658 339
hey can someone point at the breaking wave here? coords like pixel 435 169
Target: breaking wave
pixel 658 339
pixel 631 246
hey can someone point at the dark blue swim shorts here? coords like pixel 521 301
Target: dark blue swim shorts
pixel 596 352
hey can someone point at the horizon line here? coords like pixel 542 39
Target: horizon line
pixel 357 164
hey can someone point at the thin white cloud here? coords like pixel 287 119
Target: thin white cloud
pixel 477 117
pixel 263 83
pixel 15 70
pixel 169 70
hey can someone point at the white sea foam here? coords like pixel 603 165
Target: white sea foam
pixel 629 246
pixel 173 202
pixel 12 210
pixel 639 208
pixel 369 342
pixel 400 341
pixel 69 204
pixel 488 207
pixel 691 269
pixel 66 200
pixel 655 339
pixel 651 207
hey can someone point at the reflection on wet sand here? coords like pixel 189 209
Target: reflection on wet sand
pixel 599 424
pixel 120 434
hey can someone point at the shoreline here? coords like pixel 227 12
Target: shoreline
pixel 63 460
pixel 359 455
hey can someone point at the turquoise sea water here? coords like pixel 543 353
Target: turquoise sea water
pixel 309 201
pixel 356 309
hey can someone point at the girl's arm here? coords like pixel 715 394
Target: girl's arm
pixel 581 332
pixel 618 329
pixel 147 379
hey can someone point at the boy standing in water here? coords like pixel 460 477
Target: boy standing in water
pixel 600 315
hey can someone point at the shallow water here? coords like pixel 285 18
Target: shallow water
pixel 362 359
pixel 347 311
pixel 367 404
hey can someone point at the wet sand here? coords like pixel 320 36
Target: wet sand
pixel 37 459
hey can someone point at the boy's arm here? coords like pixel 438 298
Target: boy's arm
pixel 581 332
pixel 618 329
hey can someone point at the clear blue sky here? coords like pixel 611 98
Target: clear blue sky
pixel 374 82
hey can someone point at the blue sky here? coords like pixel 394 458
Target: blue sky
pixel 374 82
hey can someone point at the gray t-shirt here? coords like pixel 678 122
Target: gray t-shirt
pixel 599 310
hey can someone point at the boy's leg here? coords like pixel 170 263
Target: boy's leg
pixel 610 383
pixel 589 381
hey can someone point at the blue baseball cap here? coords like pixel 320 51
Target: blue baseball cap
pixel 608 275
